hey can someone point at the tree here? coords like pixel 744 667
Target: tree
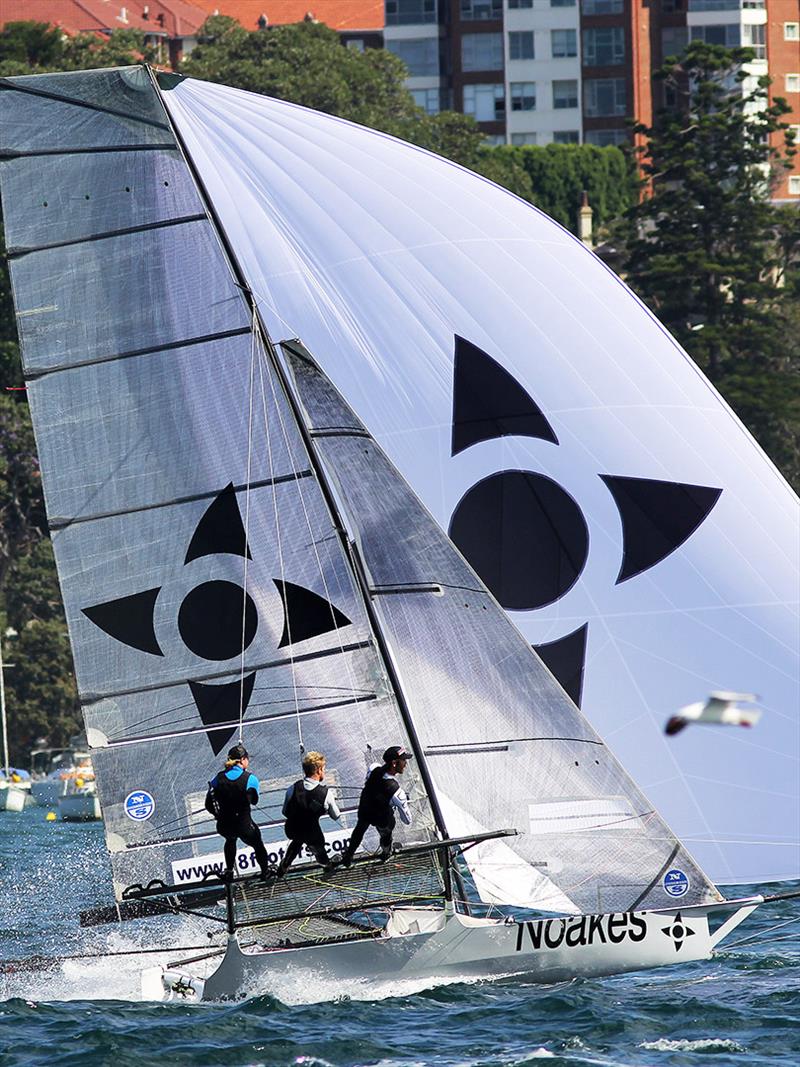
pixel 35 47
pixel 707 249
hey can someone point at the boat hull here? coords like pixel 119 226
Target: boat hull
pixel 79 808
pixel 14 798
pixel 550 950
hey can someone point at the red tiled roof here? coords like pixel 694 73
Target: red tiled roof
pixel 180 18
pixel 338 14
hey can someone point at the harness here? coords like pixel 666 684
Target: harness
pixel 304 809
pixel 229 797
pixel 375 803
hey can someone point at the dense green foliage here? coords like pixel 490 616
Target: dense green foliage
pixel 704 250
pixel 710 253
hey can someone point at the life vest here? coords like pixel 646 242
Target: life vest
pixel 375 803
pixel 304 809
pixel 228 797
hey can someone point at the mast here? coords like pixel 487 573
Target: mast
pixel 325 488
pixel 3 712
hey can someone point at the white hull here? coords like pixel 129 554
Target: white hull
pixel 13 797
pixel 79 807
pixel 545 951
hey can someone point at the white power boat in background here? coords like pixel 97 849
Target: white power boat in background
pixel 78 800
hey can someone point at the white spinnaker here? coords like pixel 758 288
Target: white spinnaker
pixel 376 254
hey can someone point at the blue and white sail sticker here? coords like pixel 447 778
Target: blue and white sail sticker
pixel 139 806
pixel 676 883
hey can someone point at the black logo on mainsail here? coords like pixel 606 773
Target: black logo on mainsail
pixel 525 535
pixel 217 619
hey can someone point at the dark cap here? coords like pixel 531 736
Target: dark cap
pixel 238 752
pixel 396 752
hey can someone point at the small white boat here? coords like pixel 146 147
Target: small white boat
pixel 78 800
pixel 15 793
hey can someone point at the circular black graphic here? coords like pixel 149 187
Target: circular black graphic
pixel 524 535
pixel 210 620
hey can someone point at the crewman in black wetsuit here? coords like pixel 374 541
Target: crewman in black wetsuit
pixel 305 802
pixel 380 798
pixel 231 793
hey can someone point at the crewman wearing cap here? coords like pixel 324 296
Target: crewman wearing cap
pixel 231 794
pixel 381 797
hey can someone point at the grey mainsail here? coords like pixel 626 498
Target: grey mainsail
pixel 204 582
pixel 504 743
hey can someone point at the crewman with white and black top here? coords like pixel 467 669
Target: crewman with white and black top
pixel 381 799
pixel 306 801
pixel 230 796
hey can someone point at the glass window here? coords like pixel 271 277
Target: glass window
pixel 791 31
pixel 409 12
pixel 523 96
pixel 494 139
pixel 563 43
pixel 428 99
pixel 602 138
pixel 562 3
pixel 472 10
pixel 670 6
pixel 794 185
pixel 605 96
pixel 603 46
pixel 725 33
pixel 356 44
pixel 602 7
pixel 793 83
pixel 673 40
pixel 516 4
pixel 523 138
pixel 565 94
pixel 486 103
pixel 566 137
pixel 420 54
pixel 755 37
pixel 482 51
pixel 520 44
pixel 725 5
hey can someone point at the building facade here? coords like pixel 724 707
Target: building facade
pixel 570 71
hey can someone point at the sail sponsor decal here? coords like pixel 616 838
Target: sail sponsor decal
pixel 139 805
pixel 676 883
pixel 583 930
pixel 196 868
pixel 217 620
pixel 522 507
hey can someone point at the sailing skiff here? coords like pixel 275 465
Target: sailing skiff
pixel 239 556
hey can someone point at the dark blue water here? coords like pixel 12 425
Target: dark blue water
pixel 742 1008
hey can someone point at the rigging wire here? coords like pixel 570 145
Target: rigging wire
pixel 246 550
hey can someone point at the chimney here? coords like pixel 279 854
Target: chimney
pixel 145 12
pixel 585 220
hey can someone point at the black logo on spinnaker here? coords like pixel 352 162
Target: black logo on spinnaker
pixel 217 620
pixel 525 535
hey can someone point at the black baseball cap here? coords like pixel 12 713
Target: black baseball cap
pixel 238 752
pixel 396 752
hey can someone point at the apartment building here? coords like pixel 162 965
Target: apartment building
pixel 569 71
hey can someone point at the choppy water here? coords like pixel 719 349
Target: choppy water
pixel 742 1008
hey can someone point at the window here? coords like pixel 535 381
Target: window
pixel 523 138
pixel 473 10
pixel 566 137
pixel 670 6
pixel 791 31
pixel 793 83
pixel 516 4
pixel 562 3
pixel 603 138
pixel 602 7
pixel 605 96
pixel 673 40
pixel 420 54
pixel 409 12
pixel 482 51
pixel 356 43
pixel 563 43
pixel 520 45
pixel 486 103
pixel 726 33
pixel 565 94
pixel 603 46
pixel 755 37
pixel 794 185
pixel 494 139
pixel 725 5
pixel 523 96
pixel 428 99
